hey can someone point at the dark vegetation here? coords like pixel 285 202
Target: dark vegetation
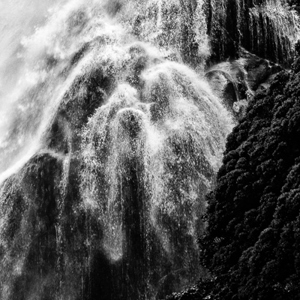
pixel 251 246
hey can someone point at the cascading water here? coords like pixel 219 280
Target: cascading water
pixel 109 144
pixel 276 26
pixel 267 28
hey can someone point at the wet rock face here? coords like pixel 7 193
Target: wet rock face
pixel 176 25
pixel 145 178
pixel 88 92
pixel 111 207
pixel 224 86
pixel 265 28
pixel 45 250
pixel 28 236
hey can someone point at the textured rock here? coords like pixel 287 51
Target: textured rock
pixel 252 239
pixel 268 29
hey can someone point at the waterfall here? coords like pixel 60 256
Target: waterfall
pixel 109 142
pixel 274 26
pixel 267 28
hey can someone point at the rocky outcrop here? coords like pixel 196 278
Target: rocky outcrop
pixel 237 82
pixel 266 28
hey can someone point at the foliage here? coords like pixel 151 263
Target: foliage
pixel 253 233
pixel 201 290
